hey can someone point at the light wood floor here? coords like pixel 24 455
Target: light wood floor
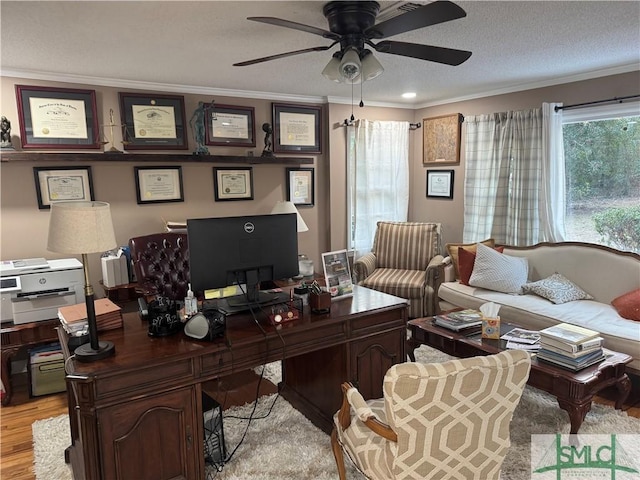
pixel 16 449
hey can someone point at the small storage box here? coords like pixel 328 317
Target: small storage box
pixel 46 369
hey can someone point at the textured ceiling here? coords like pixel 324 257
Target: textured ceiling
pixel 190 47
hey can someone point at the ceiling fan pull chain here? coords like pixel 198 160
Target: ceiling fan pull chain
pixel 352 117
pixel 361 102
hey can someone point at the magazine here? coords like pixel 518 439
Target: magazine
pixel 520 335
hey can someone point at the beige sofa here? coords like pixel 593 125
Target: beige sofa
pixel 604 273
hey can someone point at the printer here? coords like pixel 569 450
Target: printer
pixel 33 289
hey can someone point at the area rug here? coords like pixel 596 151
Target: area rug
pixel 286 446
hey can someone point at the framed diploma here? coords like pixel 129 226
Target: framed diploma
pixel 57 118
pixel 441 138
pixel 297 128
pixel 153 122
pixel 233 183
pixel 57 184
pixel 440 183
pixel 231 126
pixel 300 186
pixel 159 184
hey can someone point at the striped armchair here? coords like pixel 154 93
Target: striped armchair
pixel 445 421
pixel 405 261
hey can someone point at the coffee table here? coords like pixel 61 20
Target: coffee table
pixel 573 390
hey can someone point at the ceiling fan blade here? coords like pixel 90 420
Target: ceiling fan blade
pixel 296 26
pixel 448 56
pixel 282 55
pixel 430 14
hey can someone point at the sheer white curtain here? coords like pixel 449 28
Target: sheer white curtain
pixel 510 178
pixel 378 178
pixel 552 198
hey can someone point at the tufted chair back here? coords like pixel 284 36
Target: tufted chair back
pixel 161 263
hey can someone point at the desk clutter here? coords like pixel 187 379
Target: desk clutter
pixel 73 318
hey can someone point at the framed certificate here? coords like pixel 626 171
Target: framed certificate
pixel 440 183
pixel 231 126
pixel 57 184
pixel 153 122
pixel 297 128
pixel 233 183
pixel 57 118
pixel 300 186
pixel 159 184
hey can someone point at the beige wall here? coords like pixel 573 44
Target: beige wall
pixel 450 212
pixel 23 228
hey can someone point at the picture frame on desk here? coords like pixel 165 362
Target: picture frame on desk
pixel 233 183
pixel 231 126
pixel 159 184
pixel 62 184
pixel 296 128
pixel 337 274
pixel 57 118
pixel 153 122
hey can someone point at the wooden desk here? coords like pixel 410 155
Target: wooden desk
pixel 138 414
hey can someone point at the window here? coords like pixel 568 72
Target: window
pixel 602 165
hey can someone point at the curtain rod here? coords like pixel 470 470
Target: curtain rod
pixel 350 123
pixel 614 99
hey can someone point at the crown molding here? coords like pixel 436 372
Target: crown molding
pixel 537 84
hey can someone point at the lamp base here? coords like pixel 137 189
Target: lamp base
pixel 84 353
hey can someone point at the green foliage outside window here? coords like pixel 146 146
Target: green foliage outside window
pixel 620 227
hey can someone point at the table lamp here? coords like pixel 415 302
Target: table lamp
pixel 305 266
pixel 83 228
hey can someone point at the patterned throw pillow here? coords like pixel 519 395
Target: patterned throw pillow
pixel 466 261
pixel 496 271
pixel 557 288
pixel 452 250
pixel 628 305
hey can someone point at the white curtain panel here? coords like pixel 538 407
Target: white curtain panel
pixel 552 199
pixel 507 184
pixel 379 173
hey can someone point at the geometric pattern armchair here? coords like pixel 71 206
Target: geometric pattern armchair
pixel 436 421
pixel 161 264
pixel 405 261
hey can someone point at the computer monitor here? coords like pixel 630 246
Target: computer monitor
pixel 225 251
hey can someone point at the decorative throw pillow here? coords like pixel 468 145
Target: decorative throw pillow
pixel 557 288
pixel 496 271
pixel 466 260
pixel 628 305
pixel 452 249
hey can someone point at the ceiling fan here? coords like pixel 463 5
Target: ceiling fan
pixel 352 25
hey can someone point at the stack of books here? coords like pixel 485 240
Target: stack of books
pixel 570 346
pixel 466 322
pixel 74 317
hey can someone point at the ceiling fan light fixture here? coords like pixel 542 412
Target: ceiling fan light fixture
pixel 371 67
pixel 332 70
pixel 350 66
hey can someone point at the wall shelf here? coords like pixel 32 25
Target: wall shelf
pixel 151 157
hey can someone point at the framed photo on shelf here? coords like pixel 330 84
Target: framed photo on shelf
pixel 337 274
pixel 296 128
pixel 300 186
pixel 232 183
pixel 57 118
pixel 231 126
pixel 440 183
pixel 153 122
pixel 441 138
pixel 56 184
pixel 158 184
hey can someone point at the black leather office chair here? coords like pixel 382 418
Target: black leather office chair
pixel 161 264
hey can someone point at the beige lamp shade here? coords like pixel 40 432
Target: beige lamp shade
pixel 80 227
pixel 289 207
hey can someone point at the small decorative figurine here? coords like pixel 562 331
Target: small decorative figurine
pixel 268 151
pixel 5 136
pixel 197 124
